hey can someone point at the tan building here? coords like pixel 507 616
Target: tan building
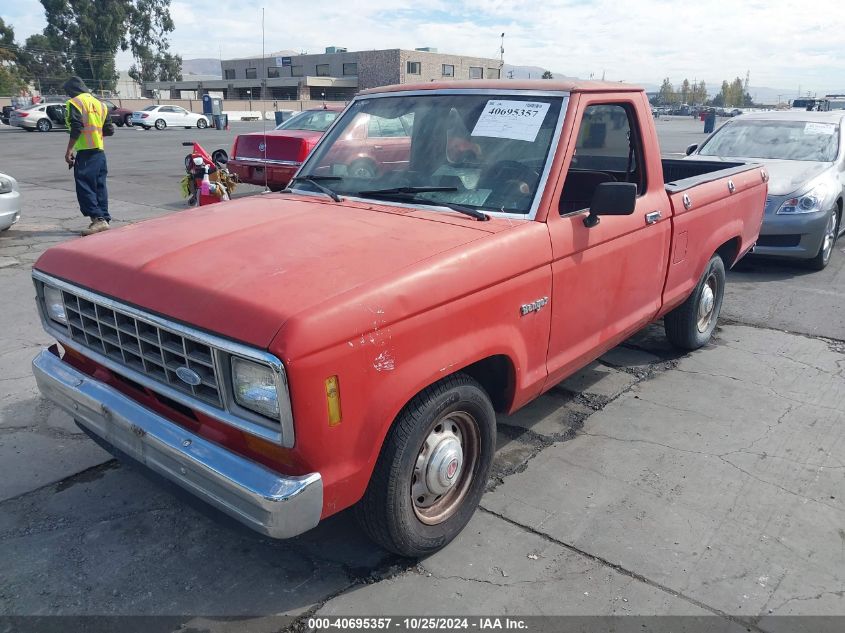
pixel 335 75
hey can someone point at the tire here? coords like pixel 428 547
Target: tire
pixel 146 128
pixel 127 120
pixel 413 507
pixel 44 125
pixel 362 168
pixel 831 232
pixel 691 324
pixel 29 129
pixel 160 124
pixel 118 122
pixel 202 124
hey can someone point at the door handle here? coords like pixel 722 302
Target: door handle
pixel 651 218
pixel 377 147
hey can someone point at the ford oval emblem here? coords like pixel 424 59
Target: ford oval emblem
pixel 188 376
pixel 261 147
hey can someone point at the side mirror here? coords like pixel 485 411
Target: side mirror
pixel 612 198
pixel 692 148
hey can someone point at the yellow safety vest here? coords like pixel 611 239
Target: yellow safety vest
pixel 94 114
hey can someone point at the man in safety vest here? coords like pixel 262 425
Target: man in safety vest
pixel 87 119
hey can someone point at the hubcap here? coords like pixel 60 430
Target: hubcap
pixel 444 467
pixel 829 237
pixel 707 303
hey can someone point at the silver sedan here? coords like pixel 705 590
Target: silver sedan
pixel 10 202
pixel 804 153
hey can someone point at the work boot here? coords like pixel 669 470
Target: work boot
pixel 96 226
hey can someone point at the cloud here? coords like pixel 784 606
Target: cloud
pixel 781 42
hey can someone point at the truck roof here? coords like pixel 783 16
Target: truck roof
pixel 545 85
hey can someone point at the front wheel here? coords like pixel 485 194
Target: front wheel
pixel 127 120
pixel 432 469
pixel 202 124
pixel 160 124
pixel 831 231
pixel 691 324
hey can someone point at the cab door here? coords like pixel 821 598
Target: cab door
pixel 607 279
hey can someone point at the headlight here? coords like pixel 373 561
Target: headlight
pixel 6 185
pixel 53 304
pixel 255 387
pixel 813 200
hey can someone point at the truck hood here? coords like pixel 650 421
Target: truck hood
pixel 242 268
pixel 785 176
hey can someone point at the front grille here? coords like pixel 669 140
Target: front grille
pixel 780 241
pixel 149 349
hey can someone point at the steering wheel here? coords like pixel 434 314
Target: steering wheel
pixel 510 180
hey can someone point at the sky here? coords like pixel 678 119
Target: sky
pixel 782 43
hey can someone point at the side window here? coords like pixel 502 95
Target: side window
pixel 608 149
pixel 166 109
pixel 380 127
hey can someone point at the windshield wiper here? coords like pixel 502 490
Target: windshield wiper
pixel 406 194
pixel 375 192
pixel 315 180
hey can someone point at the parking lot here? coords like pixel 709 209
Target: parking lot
pixel 610 495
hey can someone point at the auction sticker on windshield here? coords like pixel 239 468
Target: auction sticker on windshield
pixel 519 120
pixel 820 128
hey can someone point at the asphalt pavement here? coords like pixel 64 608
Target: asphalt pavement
pixel 651 483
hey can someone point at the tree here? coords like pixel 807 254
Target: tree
pixel 666 94
pixel 90 32
pixel 147 39
pixel 44 63
pixel 699 92
pixel 11 79
pixel 686 91
pixel 548 75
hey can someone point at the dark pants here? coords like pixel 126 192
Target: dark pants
pixel 89 172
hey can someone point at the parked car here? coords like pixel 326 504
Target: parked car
pixel 804 154
pixel 42 117
pixel 10 202
pixel 161 116
pixel 119 116
pixel 272 158
pixel 348 343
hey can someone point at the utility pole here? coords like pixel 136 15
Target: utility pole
pixel 501 54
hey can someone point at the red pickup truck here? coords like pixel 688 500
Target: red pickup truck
pixel 349 341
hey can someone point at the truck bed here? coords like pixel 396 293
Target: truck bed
pixel 680 175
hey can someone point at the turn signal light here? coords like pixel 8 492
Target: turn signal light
pixel 333 400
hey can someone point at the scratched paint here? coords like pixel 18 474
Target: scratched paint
pixel 384 361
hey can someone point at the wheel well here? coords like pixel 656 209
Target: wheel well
pixel 729 251
pixel 496 375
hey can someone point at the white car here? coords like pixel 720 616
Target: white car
pixel 160 116
pixel 42 117
pixel 10 202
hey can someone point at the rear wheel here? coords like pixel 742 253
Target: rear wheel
pixel 691 324
pixel 432 469
pixel 160 124
pixel 44 125
pixel 127 120
pixel 831 231
pixel 118 122
pixel 362 169
pixel 29 129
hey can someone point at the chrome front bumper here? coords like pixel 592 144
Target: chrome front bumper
pixel 270 503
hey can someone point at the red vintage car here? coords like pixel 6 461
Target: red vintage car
pixel 272 158
pixel 370 146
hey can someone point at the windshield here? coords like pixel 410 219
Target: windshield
pixel 784 140
pixel 483 151
pixel 314 120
